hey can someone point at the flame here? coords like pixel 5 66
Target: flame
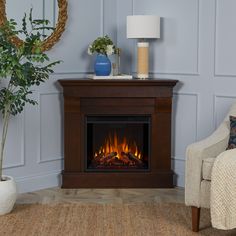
pixel 113 144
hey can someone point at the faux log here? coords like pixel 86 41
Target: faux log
pixel 107 157
pixel 125 158
pixel 118 162
pixel 112 160
pixel 134 158
pixel 99 157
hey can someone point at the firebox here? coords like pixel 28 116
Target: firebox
pixel 117 143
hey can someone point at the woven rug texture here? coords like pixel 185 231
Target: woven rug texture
pixel 75 219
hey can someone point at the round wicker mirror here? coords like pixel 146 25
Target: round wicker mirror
pixel 50 41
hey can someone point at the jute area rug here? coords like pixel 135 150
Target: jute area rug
pixel 151 219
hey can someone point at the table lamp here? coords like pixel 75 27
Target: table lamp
pixel 143 27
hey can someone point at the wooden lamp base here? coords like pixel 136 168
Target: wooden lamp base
pixel 143 60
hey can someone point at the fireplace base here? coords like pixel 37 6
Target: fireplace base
pixel 117 180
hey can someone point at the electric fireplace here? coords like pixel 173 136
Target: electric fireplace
pixel 117 143
pixel 117 133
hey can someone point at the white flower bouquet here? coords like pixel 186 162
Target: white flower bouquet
pixel 102 45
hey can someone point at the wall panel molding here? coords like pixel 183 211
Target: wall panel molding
pixel 40 158
pixel 21 162
pixel 196 95
pixel 220 97
pixel 183 122
pixel 217 72
pixel 178 158
pixel 188 73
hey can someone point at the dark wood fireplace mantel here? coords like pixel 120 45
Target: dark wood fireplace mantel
pixel 85 97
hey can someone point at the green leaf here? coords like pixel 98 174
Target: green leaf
pixel 25 66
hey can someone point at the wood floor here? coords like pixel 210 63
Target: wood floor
pixel 58 195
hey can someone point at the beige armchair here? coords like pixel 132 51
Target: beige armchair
pixel 200 157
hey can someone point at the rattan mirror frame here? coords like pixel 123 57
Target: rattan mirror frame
pixel 50 41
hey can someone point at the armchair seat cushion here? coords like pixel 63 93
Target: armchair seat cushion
pixel 207 168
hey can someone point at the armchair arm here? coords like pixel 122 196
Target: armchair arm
pixel 212 146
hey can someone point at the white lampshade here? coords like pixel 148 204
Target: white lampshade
pixel 143 26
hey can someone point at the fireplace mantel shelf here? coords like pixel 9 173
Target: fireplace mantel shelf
pixel 86 97
pixel 115 82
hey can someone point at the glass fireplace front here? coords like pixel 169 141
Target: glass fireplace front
pixel 119 143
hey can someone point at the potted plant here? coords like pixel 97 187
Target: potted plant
pixel 21 68
pixel 104 47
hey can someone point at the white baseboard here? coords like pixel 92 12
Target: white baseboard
pixel 178 166
pixel 37 182
pixel 179 180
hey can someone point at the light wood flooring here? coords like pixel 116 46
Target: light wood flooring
pixel 58 195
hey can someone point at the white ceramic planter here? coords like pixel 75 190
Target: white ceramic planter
pixel 8 194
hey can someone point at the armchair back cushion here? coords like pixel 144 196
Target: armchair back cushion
pixel 232 136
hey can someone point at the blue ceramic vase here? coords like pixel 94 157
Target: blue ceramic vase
pixel 102 65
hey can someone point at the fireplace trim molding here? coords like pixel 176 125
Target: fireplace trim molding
pixel 84 97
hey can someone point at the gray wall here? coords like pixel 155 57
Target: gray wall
pixel 197 47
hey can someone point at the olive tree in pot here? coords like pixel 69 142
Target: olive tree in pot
pixel 21 68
